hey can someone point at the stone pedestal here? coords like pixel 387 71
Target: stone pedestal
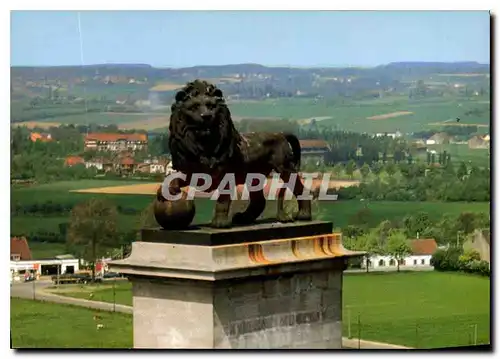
pixel 263 286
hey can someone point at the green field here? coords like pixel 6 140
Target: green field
pixel 416 309
pixel 46 250
pixel 462 152
pixel 37 324
pixel 340 212
pixel 350 115
pixel 120 292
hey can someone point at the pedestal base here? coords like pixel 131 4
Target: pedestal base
pixel 275 294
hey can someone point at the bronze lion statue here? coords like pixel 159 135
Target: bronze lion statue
pixel 203 139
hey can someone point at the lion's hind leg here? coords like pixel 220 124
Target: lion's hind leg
pixel 281 215
pixel 305 212
pixel 253 211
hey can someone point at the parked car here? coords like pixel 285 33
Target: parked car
pixel 29 277
pixel 78 278
pixel 111 275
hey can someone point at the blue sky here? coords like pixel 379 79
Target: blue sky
pixel 178 39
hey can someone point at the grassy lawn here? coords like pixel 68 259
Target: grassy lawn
pixel 121 294
pixel 417 309
pixel 37 324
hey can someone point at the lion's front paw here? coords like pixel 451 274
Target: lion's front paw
pixel 221 222
pixel 304 216
pixel 284 218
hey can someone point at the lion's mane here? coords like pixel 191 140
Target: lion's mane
pixel 189 152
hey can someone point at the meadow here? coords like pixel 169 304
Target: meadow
pixel 461 152
pixel 340 212
pixel 35 324
pixel 349 115
pixel 416 309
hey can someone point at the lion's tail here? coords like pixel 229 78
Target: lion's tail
pixel 295 144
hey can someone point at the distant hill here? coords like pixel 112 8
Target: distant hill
pixel 143 70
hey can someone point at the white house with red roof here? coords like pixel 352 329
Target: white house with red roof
pixel 422 251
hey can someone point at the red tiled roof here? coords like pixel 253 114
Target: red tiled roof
pixel 313 143
pixel 73 160
pixel 42 137
pixel 111 137
pixel 19 246
pixel 423 246
pixel 127 161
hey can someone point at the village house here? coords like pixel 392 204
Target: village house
pixel 479 142
pixel 126 165
pixel 314 151
pixel 42 137
pixel 97 163
pixel 479 241
pixel 440 138
pixel 159 166
pixel 73 160
pixel 143 168
pixel 116 142
pixel 422 251
pixel 393 135
pixel 100 164
pixel 22 261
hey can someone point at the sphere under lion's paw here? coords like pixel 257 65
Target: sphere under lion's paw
pixel 176 214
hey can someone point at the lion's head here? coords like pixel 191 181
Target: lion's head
pixel 202 133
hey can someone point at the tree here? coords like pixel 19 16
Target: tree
pixel 337 169
pixel 365 171
pixel 466 222
pixel 469 255
pixel 462 171
pixel 376 168
pixel 93 228
pixel 417 224
pixel 390 168
pixel 369 243
pixel 146 219
pixel 361 217
pixel 349 169
pixel 352 231
pixel 482 220
pixel 398 246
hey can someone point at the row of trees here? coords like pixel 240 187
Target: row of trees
pixel 446 229
pixel 456 259
pixel 417 182
pixel 50 208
